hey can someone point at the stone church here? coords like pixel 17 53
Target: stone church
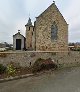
pixel 49 33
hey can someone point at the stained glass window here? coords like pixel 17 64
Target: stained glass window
pixel 54 31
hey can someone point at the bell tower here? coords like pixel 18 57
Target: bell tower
pixel 29 35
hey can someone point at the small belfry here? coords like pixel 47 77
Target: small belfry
pixel 29 35
pixel 49 32
pixel 29 22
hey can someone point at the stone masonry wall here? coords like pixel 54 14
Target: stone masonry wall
pixel 43 31
pixel 29 31
pixel 24 58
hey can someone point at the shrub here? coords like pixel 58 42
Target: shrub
pixel 2 69
pixel 42 64
pixel 11 70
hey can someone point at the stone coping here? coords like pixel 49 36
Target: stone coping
pixel 13 52
pixel 15 78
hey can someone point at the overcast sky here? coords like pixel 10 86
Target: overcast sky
pixel 14 15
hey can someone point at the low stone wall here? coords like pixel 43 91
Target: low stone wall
pixel 63 59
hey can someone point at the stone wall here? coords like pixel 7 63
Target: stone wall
pixel 24 58
pixel 43 30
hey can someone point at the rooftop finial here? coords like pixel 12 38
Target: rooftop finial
pixel 53 1
pixel 18 31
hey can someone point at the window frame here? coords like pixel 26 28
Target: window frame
pixel 54 32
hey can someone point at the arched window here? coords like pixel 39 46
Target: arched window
pixel 54 31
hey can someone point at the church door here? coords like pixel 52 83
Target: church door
pixel 18 44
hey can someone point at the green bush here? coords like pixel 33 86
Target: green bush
pixel 2 69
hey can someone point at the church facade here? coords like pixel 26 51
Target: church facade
pixel 49 33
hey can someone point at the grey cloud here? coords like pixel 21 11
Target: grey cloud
pixel 14 11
